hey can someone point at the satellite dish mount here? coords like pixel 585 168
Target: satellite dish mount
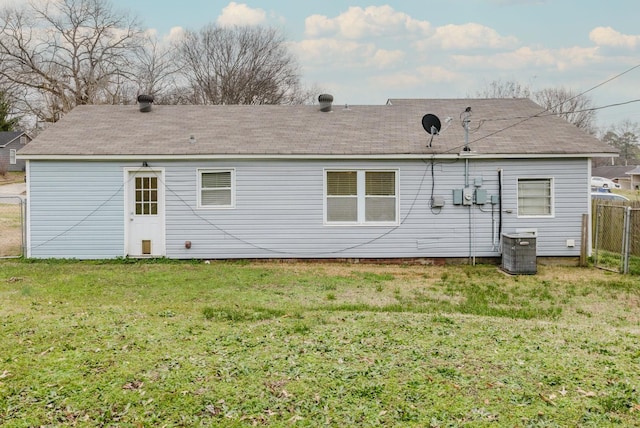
pixel 432 125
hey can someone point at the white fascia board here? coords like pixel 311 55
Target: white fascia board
pixel 463 155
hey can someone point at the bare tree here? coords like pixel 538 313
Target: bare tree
pixel 625 137
pixel 239 65
pixel 504 89
pixel 67 52
pixel 156 70
pixel 574 108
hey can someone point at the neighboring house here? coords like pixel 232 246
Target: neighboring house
pixel 356 182
pixel 10 143
pixel 634 178
pixel 617 173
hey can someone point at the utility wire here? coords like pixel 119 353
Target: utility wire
pixel 566 112
pixel 551 107
pixel 189 206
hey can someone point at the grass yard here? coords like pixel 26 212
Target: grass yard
pixel 12 177
pixel 10 230
pixel 308 344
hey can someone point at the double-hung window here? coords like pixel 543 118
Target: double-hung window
pixel 535 197
pixel 12 156
pixel 361 197
pixel 216 188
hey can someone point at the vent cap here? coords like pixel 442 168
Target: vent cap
pixel 145 102
pixel 325 101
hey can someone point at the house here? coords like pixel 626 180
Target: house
pixel 10 143
pixel 346 182
pixel 634 178
pixel 623 175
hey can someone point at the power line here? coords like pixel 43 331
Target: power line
pixel 540 114
pixel 565 112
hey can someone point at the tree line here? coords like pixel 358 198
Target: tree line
pixel 58 54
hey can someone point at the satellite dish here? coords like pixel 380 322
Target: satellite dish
pixel 432 125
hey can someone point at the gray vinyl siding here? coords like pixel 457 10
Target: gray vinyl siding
pixel 279 212
pixel 279 207
pixel 5 157
pixel 75 210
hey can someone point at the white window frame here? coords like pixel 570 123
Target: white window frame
pixel 552 198
pixel 361 196
pixel 232 171
pixel 12 156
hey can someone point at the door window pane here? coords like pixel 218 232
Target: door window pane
pixel 146 192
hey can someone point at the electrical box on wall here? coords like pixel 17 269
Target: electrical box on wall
pixel 457 196
pixel 437 202
pixel 481 196
pixel 467 196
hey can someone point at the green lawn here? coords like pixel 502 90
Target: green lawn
pixel 310 344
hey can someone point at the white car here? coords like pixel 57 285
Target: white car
pixel 604 183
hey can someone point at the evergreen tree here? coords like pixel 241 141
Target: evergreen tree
pixel 7 123
pixel 625 137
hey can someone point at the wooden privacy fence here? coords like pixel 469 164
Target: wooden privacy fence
pixel 12 226
pixel 616 235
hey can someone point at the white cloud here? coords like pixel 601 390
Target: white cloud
pixel 358 23
pixel 317 25
pixel 527 58
pixel 607 36
pixel 175 34
pixel 468 36
pixel 345 54
pixel 241 14
pixel 386 59
pixel 418 77
pixel 326 51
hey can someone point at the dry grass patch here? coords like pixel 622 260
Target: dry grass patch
pixel 164 343
pixel 10 230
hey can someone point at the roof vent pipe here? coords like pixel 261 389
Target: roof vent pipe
pixel 325 101
pixel 145 102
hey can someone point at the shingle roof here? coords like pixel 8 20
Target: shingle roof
pixel 635 171
pixel 8 136
pixel 498 126
pixel 612 171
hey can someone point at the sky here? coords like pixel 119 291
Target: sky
pixel 367 51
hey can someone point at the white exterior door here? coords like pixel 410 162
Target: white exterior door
pixel 145 214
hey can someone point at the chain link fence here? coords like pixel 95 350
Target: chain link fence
pixel 616 237
pixel 12 226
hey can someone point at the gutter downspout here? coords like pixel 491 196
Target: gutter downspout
pixel 465 121
pixel 500 172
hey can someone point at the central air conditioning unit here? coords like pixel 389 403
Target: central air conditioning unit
pixel 519 254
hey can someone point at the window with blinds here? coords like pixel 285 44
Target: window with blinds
pixel 361 197
pixel 535 197
pixel 216 189
pixel 342 196
pixel 380 196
